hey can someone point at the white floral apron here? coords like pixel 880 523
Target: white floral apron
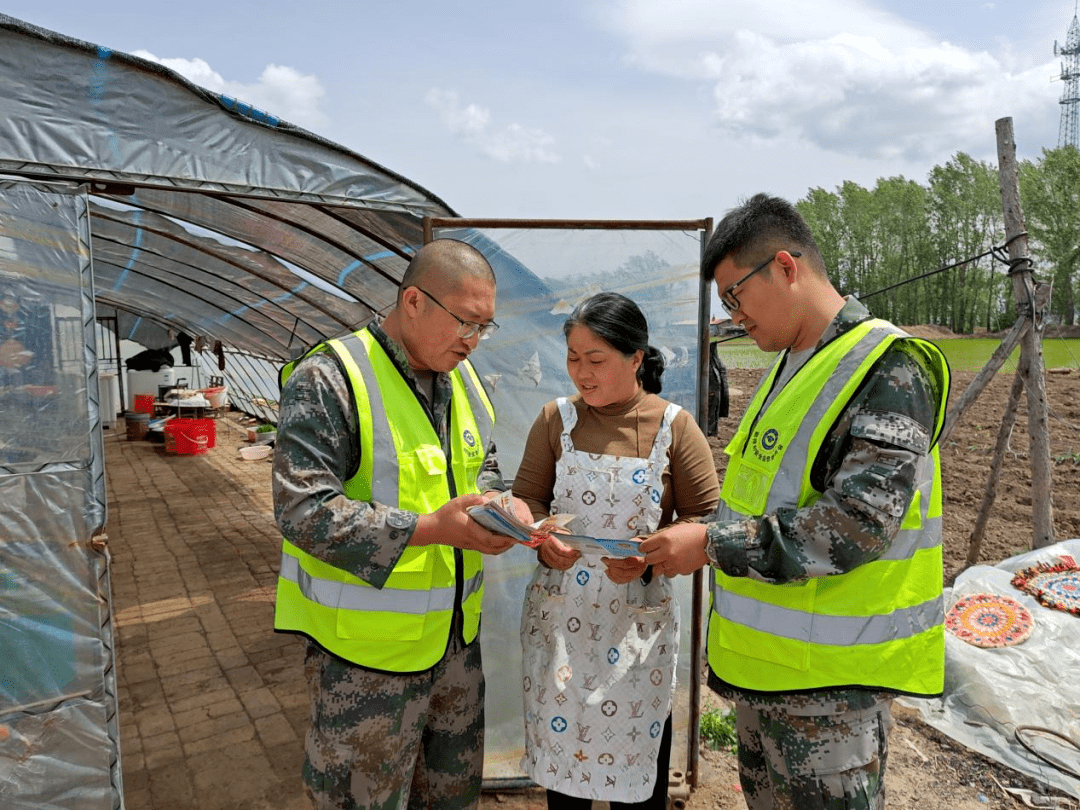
pixel 599 658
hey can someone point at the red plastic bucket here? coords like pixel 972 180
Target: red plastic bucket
pixel 186 437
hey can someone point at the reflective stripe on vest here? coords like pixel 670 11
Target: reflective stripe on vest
pixel 879 625
pixel 836 631
pixel 390 600
pixel 403 626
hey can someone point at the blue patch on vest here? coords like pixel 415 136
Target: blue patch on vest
pixel 469 438
pixel 770 438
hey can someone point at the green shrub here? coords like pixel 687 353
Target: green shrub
pixel 265 429
pixel 718 729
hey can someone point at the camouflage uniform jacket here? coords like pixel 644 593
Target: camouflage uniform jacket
pixel 865 470
pixel 318 449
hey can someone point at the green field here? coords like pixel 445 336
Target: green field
pixel 963 354
pixel 971 354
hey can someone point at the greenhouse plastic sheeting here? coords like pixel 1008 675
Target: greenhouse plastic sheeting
pixel 208 216
pixel 58 714
pixel 257 239
pixel 989 692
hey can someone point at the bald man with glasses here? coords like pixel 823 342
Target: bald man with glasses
pixel 384 442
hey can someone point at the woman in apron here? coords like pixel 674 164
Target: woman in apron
pixel 600 636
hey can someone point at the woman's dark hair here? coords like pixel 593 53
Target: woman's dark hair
pixel 619 322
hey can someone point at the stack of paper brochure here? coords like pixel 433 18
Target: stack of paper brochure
pixel 496 515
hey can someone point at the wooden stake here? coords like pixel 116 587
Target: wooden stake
pixel 1031 359
pixel 1008 419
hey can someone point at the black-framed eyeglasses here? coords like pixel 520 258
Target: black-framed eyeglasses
pixel 466 329
pixel 730 301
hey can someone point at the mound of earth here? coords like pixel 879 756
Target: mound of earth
pixel 928 331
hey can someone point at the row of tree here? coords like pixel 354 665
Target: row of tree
pixel 884 244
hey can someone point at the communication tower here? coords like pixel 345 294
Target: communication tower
pixel 1069 131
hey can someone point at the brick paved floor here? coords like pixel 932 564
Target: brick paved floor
pixel 213 705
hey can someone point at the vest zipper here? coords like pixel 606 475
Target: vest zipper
pixel 458 619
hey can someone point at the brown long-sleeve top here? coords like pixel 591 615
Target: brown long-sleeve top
pixel 627 429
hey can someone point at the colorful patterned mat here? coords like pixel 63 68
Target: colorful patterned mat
pixel 1057 586
pixel 989 620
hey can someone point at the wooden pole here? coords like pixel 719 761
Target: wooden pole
pixel 1031 359
pixel 1004 432
pixel 697 581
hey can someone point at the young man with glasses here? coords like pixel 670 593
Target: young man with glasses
pixel 825 554
pixel 384 441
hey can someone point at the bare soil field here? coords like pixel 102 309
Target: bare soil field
pixel 927 770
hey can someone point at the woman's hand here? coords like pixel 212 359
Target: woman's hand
pixel 555 554
pixel 621 570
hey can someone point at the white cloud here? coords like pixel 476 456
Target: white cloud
pixel 512 143
pixel 837 74
pixel 282 91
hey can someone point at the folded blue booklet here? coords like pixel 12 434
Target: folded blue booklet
pixel 494 516
pixel 598 546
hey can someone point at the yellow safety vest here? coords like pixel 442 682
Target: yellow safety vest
pixel 403 626
pixel 878 626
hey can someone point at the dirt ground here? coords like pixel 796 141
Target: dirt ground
pixel 927 770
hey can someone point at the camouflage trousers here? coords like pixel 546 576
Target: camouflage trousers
pixel 793 761
pixel 386 741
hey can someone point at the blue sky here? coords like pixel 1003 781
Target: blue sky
pixel 652 109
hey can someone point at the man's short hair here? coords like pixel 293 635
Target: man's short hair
pixel 450 260
pixel 761 225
